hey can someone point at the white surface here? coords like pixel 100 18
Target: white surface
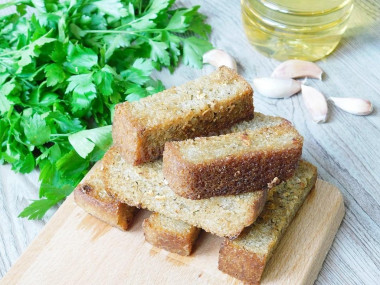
pixel 346 149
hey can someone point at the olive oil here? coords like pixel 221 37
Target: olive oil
pixel 300 29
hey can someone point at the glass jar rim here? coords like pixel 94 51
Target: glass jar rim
pixel 283 9
pixel 297 22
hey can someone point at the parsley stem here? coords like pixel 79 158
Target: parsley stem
pixel 60 135
pixel 122 32
pixel 127 24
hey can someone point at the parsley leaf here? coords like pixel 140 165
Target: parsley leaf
pixel 72 165
pixel 38 208
pixel 85 141
pixel 81 84
pixel 112 8
pixel 81 57
pixel 5 90
pixel 193 49
pixel 104 80
pixel 32 50
pixel 54 74
pixel 178 21
pixel 83 91
pixel 25 165
pixel 36 130
pixel 140 71
pixel 159 52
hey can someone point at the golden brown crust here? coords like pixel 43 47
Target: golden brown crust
pixel 116 214
pixel 176 241
pixel 233 174
pixel 140 142
pixel 240 263
pixel 128 133
pixel 91 196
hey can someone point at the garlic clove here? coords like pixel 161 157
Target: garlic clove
pixel 356 106
pixel 218 57
pixel 276 87
pixel 295 68
pixel 315 103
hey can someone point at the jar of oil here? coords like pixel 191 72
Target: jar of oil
pixel 295 29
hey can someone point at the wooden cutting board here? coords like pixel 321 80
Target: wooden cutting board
pixel 76 248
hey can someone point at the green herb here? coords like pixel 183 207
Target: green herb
pixel 65 67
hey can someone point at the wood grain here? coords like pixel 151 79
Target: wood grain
pixel 75 248
pixel 345 149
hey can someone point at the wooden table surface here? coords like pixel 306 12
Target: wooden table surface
pixel 346 149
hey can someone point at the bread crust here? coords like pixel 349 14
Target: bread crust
pixel 141 141
pixel 232 174
pixel 91 197
pixel 241 264
pixel 179 241
pixel 245 258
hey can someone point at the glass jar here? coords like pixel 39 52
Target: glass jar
pixel 295 29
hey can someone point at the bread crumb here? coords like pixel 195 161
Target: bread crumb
pixel 274 182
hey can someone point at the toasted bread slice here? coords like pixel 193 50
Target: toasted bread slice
pixel 170 234
pixel 245 257
pixel 144 186
pixel 233 163
pixel 197 108
pixel 90 195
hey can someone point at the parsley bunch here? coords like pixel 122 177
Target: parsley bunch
pixel 63 69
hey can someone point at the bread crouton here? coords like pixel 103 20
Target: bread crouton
pixel 245 258
pixel 170 234
pixel 90 195
pixel 197 108
pixel 234 163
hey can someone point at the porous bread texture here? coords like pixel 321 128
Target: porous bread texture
pixel 260 121
pixel 197 108
pixel 245 257
pixel 234 163
pixel 206 149
pixel 90 195
pixel 144 186
pixel 170 234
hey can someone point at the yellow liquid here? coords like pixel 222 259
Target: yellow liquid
pixel 300 29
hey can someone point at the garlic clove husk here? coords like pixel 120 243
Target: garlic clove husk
pixel 218 57
pixel 356 106
pixel 315 103
pixel 295 68
pixel 276 87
